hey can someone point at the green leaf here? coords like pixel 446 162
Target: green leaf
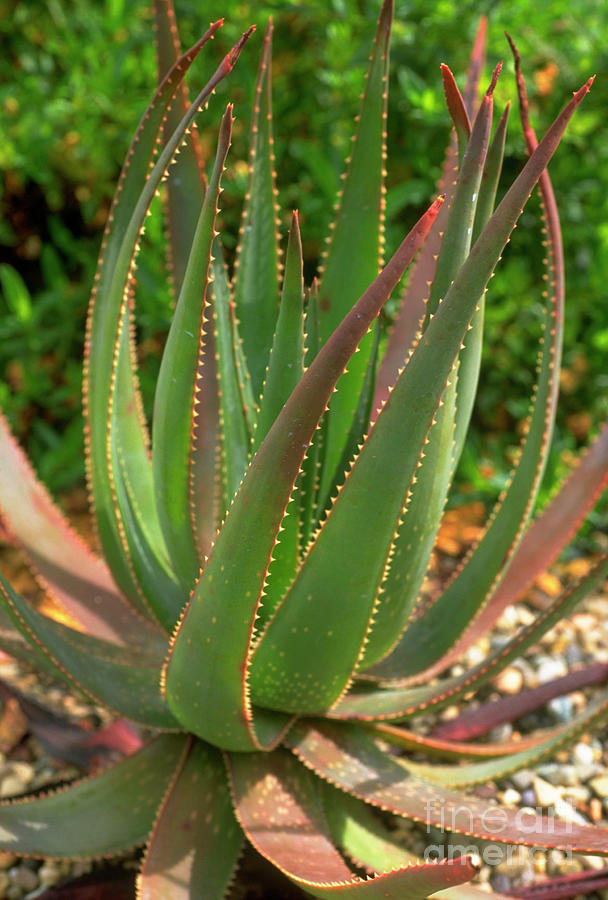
pixel 234 430
pixel 126 680
pixel 99 816
pixel 196 842
pixel 412 306
pixel 175 401
pixel 224 603
pixel 134 492
pixel 16 294
pixel 137 187
pixel 286 362
pixel 256 280
pixel 186 188
pixel 285 369
pixel 354 254
pixel 279 807
pixel 422 495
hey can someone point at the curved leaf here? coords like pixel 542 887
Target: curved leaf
pixel 126 680
pixel 279 807
pixel 195 842
pixel 177 387
pixel 350 760
pixel 355 247
pixel 256 278
pixel 99 816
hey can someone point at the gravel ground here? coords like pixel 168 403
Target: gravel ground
pixel 574 785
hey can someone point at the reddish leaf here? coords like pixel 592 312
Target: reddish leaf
pixel 475 722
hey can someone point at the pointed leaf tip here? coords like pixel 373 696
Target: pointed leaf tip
pixel 231 57
pixel 514 49
pixel 494 79
pixel 456 104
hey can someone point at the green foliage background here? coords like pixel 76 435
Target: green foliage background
pixel 75 76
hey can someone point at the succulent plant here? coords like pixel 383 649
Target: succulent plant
pixel 259 610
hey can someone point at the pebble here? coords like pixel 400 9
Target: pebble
pixel 522 779
pixel 599 785
pixel 510 681
pixel 25 878
pixel 12 785
pixel 501 733
pixel 510 797
pixel 559 774
pixel 474 656
pixel 7 859
pixel 550 668
pixel 574 655
pixel 528 797
pixel 583 754
pixel 595 810
pixel 501 884
pixel 549 796
pixel 586 772
pixel 561 708
pixel 49 874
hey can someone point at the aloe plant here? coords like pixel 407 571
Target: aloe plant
pixel 258 609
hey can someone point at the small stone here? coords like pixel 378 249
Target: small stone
pixel 508 619
pixel 593 862
pixel 501 884
pixel 599 785
pixel 49 874
pixel 84 866
pixel 574 655
pixel 11 785
pixel 595 809
pixel 583 754
pixel 501 733
pixel 22 770
pixel 510 797
pixel 510 681
pixel 25 878
pixel 522 779
pixel 550 669
pixel 559 774
pixel 586 772
pixel 474 656
pixel 577 792
pixel 545 792
pixel 561 708
pixel 528 797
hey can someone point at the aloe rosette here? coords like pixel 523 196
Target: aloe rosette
pixel 258 609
